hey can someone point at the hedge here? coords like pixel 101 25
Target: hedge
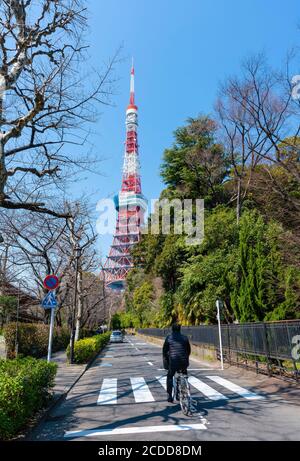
pixel 86 349
pixel 33 339
pixel 24 388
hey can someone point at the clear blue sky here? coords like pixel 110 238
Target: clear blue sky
pixel 182 49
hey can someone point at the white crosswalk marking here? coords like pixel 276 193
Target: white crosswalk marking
pixel 108 393
pixel 134 430
pixel 235 388
pixel 141 391
pixel 208 391
pixel 163 381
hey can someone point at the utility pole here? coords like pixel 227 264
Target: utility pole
pixel 79 303
pixel 219 306
pixel 77 251
pixel 17 323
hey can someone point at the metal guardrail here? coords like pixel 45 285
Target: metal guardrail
pixel 268 347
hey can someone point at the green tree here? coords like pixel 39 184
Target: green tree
pixel 258 271
pixel 8 306
pixel 196 165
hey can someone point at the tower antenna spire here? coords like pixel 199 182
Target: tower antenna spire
pixel 132 84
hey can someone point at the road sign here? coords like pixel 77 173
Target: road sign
pixel 49 302
pixel 51 282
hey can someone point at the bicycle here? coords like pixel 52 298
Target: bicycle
pixel 182 393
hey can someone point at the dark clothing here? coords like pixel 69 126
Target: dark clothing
pixel 170 375
pixel 176 351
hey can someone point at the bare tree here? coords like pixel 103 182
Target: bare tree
pixel 261 122
pixel 266 97
pixel 45 103
pixel 243 143
pixel 39 244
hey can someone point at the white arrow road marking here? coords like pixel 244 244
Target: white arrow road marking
pixel 108 393
pixel 235 388
pixel 206 390
pixel 135 430
pixel 141 390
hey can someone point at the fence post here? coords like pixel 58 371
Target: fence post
pixel 229 346
pixel 267 348
pixel 295 370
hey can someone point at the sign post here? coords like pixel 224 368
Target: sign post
pixel 219 305
pixel 51 334
pixel 49 302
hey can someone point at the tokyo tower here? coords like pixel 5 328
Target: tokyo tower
pixel 130 204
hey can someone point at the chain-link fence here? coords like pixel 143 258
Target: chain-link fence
pixel 268 347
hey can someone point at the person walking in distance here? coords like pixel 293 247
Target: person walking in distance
pixel 176 352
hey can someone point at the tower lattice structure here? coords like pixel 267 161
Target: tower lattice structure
pixel 130 204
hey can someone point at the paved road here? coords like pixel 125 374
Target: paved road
pixel 122 397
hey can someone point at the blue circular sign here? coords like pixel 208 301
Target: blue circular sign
pixel 51 282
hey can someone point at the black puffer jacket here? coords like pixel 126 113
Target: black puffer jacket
pixel 176 351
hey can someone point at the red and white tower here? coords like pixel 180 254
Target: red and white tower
pixel 130 204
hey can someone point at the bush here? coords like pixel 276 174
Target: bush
pixel 86 333
pixel 24 389
pixel 33 339
pixel 86 349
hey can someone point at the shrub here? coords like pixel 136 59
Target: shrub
pixel 86 349
pixel 61 338
pixel 33 339
pixel 24 389
pixel 86 333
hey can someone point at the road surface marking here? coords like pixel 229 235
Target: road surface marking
pixel 189 369
pixel 105 365
pixel 108 393
pixel 163 381
pixel 235 388
pixel 141 390
pixel 208 391
pixel 134 430
pixel 150 363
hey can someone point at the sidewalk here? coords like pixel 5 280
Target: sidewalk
pixel 66 375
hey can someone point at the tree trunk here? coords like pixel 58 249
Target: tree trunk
pixel 238 200
pixel 79 305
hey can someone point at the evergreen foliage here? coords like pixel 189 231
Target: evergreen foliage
pixel 251 263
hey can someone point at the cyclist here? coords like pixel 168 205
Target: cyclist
pixel 176 352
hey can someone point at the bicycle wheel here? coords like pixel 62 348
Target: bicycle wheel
pixel 184 396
